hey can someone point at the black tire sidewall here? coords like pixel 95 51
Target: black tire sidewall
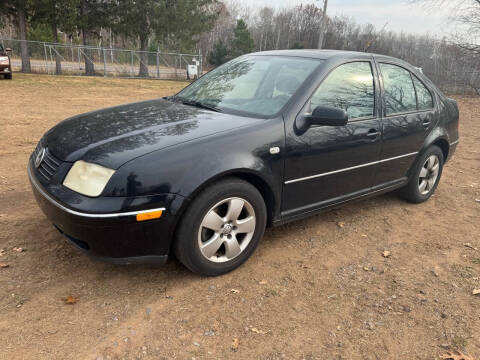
pixel 186 243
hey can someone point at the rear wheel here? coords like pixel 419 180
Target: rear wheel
pixel 425 176
pixel 221 228
pixel 8 76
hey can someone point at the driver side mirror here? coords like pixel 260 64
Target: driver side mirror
pixel 8 49
pixel 327 116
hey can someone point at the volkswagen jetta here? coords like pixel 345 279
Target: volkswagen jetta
pixel 259 141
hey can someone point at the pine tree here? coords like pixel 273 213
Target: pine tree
pixel 175 24
pixel 242 42
pixel 219 54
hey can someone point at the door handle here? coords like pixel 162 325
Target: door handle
pixel 426 123
pixel 373 133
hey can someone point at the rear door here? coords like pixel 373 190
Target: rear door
pixel 408 116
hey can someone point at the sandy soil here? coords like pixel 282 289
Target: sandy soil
pixel 315 289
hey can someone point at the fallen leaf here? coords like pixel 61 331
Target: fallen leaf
pixel 456 355
pixel 477 200
pixel 262 282
pixel 366 268
pixel 468 245
pixel 2 252
pixel 235 344
pixel 340 224
pixel 18 249
pixel 386 254
pixel 364 235
pixel 71 300
pixel 256 331
pixel 3 265
pixel 476 292
pixel 235 291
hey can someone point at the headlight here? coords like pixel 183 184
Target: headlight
pixel 87 178
pixel 4 60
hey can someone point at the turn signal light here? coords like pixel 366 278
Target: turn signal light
pixel 149 215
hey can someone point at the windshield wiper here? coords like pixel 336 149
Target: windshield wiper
pixel 198 104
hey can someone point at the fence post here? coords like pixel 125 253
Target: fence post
pixel 158 66
pixel 180 60
pixel 104 63
pixel 200 70
pixel 50 51
pixel 45 53
pixel 131 71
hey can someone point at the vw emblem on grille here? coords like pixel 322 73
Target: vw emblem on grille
pixel 39 157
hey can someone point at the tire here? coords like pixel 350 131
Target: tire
pixel 234 237
pixel 425 176
pixel 8 76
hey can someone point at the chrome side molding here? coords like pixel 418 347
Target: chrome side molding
pixel 349 168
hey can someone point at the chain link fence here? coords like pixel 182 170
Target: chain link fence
pixel 71 59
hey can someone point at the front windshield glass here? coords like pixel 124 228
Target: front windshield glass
pixel 260 85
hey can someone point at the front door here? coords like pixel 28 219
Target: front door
pixel 326 164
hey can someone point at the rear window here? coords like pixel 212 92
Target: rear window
pixel 399 91
pixel 424 97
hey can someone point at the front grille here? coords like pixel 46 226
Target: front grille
pixel 49 165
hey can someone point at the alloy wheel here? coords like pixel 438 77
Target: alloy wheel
pixel 428 174
pixel 226 229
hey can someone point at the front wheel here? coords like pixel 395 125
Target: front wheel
pixel 221 228
pixel 425 176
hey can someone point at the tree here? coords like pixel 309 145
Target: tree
pixel 19 10
pixel 57 14
pixel 297 45
pixel 174 23
pixel 242 42
pixel 90 16
pixel 219 54
pixel 466 13
pixel 323 25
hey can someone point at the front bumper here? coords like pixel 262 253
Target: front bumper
pixel 113 234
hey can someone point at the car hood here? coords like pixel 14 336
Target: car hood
pixel 113 136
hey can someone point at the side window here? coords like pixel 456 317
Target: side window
pixel 424 97
pixel 349 87
pixel 399 90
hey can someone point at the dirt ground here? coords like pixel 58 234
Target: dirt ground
pixel 319 288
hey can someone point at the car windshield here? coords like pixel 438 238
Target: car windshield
pixel 259 85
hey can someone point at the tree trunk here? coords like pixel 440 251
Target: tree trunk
pixel 22 27
pixel 323 25
pixel 89 67
pixel 143 56
pixel 58 59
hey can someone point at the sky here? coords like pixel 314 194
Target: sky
pixel 400 15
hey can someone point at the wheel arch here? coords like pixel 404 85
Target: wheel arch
pixel 443 145
pixel 252 177
pixel 439 140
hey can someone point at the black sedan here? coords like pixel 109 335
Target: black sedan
pixel 261 140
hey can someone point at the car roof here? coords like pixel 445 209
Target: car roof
pixel 326 54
